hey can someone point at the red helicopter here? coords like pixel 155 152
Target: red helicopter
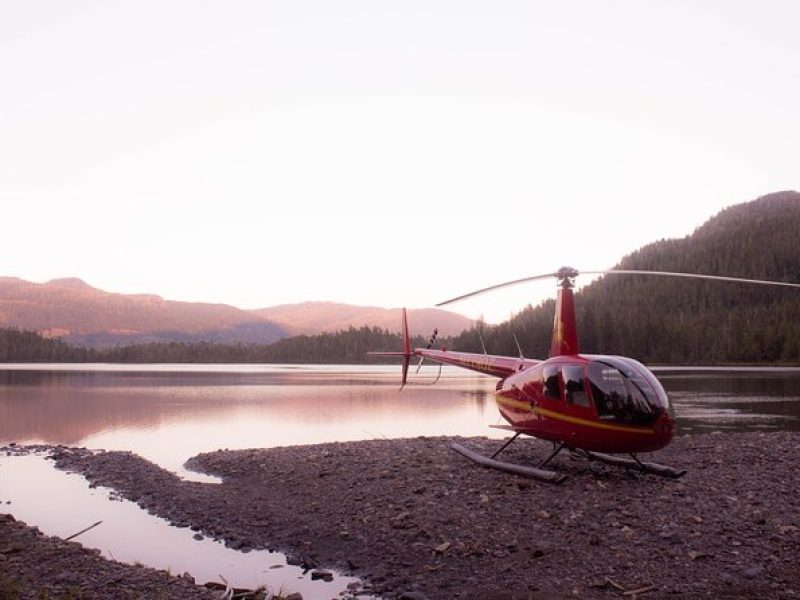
pixel 592 405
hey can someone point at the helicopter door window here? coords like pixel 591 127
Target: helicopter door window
pixel 608 391
pixel 574 388
pixel 550 387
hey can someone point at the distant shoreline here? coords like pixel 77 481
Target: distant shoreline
pixel 84 366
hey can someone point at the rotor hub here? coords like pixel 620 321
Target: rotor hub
pixel 566 276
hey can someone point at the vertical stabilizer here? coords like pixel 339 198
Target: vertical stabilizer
pixel 406 349
pixel 565 331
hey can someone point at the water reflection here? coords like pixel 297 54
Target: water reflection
pixel 168 413
pixel 168 416
pixel 734 399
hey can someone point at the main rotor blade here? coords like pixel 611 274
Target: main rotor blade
pixel 691 276
pixel 621 272
pixel 495 287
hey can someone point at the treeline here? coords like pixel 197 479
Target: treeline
pixel 344 347
pixel 28 346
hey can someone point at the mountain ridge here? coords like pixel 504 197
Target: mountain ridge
pixel 70 309
pixel 312 317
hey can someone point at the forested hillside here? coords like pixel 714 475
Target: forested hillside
pixel 667 320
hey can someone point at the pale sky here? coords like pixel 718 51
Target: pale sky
pixel 380 153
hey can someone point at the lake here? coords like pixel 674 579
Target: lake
pixel 168 413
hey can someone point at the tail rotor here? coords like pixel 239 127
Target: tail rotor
pixel 407 353
pixel 428 346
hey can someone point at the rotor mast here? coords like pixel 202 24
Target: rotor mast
pixel 565 331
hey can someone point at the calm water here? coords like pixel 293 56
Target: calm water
pixel 168 413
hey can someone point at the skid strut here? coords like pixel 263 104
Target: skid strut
pixel 506 445
pixel 556 450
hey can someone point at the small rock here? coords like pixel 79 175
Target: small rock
pixel 752 572
pixel 197 536
pixel 442 548
pixel 413 596
pixel 671 537
pixel 321 574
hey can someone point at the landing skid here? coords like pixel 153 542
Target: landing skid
pixel 634 463
pixel 535 473
pixel 553 477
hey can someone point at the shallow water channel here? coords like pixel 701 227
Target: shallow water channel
pixel 131 535
pixel 169 413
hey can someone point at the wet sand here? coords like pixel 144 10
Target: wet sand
pixel 412 517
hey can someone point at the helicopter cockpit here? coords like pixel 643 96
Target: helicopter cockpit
pixel 624 391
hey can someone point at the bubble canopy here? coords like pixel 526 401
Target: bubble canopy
pixel 624 391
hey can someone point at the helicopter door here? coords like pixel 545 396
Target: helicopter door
pixel 576 395
pixel 550 387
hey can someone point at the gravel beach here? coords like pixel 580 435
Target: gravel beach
pixel 414 519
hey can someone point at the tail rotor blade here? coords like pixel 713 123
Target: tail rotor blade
pixel 419 365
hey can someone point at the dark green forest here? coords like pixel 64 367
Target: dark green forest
pixel 652 319
pixel 680 321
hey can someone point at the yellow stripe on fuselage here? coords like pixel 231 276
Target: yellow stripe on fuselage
pixel 551 414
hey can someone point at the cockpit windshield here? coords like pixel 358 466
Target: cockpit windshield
pixel 624 391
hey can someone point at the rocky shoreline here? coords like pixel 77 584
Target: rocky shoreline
pixel 414 520
pixel 39 567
